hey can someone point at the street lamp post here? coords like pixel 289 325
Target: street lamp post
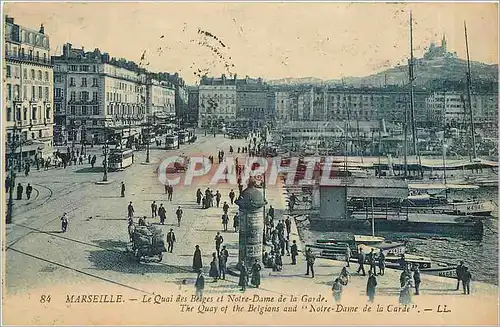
pixel 148 139
pixel 105 148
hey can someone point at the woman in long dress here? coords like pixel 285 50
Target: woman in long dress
pixel 214 271
pixel 405 292
pixel 197 263
pixel 256 273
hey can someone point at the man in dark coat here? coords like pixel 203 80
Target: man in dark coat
pixel 417 280
pixel 288 225
pixel 217 198
pixel 459 271
pixel 170 192
pixel 199 285
pixel 236 222
pixel 162 213
pixel 154 209
pixel 179 216
pixel 271 213
pixel 170 240
pixel 231 196
pixel 29 189
pixel 294 251
pixel 130 210
pixel 123 190
pixel 224 255
pixel 243 280
pixel 19 191
pixel 371 262
pixel 225 207
pixel 197 263
pixel 218 241
pixel 466 278
pixel 310 258
pixel 370 287
pixel 381 263
pixel 225 221
pixel 256 268
pixel 361 262
pixel 199 196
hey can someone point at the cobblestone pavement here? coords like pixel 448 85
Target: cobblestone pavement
pixel 93 249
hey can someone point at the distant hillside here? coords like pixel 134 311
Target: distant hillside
pixel 428 73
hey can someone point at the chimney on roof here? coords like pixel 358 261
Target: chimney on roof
pixel 66 50
pixel 42 29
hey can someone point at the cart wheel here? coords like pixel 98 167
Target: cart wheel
pixel 160 257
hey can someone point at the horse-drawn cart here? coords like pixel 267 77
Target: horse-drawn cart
pixel 147 241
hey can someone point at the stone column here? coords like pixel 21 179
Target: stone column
pixel 251 225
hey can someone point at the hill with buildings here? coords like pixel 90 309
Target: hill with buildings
pixel 438 68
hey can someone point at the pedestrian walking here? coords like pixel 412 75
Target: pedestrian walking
pixel 199 195
pixel 92 162
pixel 294 251
pixel 243 280
pixel 29 189
pixel 80 160
pixel 197 263
pixel 170 240
pixel 232 195
pixel 256 268
pixel 278 261
pixel 466 279
pixel 162 213
pixel 214 271
pixel 381 263
pixel 348 255
pixel 225 207
pixel 310 258
pixel 459 271
pixel 154 209
pixel 405 292
pixel 236 222
pixel 337 290
pixel 170 192
pixel 417 280
pixel 218 242
pixel 240 188
pixel 130 210
pixel 64 222
pixel 199 285
pixel 404 275
pixel 371 262
pixel 166 189
pixel 123 189
pixel 223 262
pixel 370 286
pixel 19 191
pixel 361 262
pixel 270 212
pixel 179 216
pixel 288 226
pixel 217 198
pixel 225 221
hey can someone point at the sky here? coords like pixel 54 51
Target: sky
pixel 268 40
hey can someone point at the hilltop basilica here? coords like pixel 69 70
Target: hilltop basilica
pixel 435 52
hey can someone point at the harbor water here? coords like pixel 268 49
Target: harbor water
pixel 481 256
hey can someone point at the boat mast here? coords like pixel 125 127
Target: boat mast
pixel 471 114
pixel 412 97
pixel 444 150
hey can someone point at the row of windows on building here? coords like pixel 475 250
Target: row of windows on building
pixel 82 95
pixel 20 52
pixel 82 68
pixel 13 92
pixel 118 97
pixel 25 137
pixel 22 115
pixel 34 75
pixel 84 110
pixel 72 81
